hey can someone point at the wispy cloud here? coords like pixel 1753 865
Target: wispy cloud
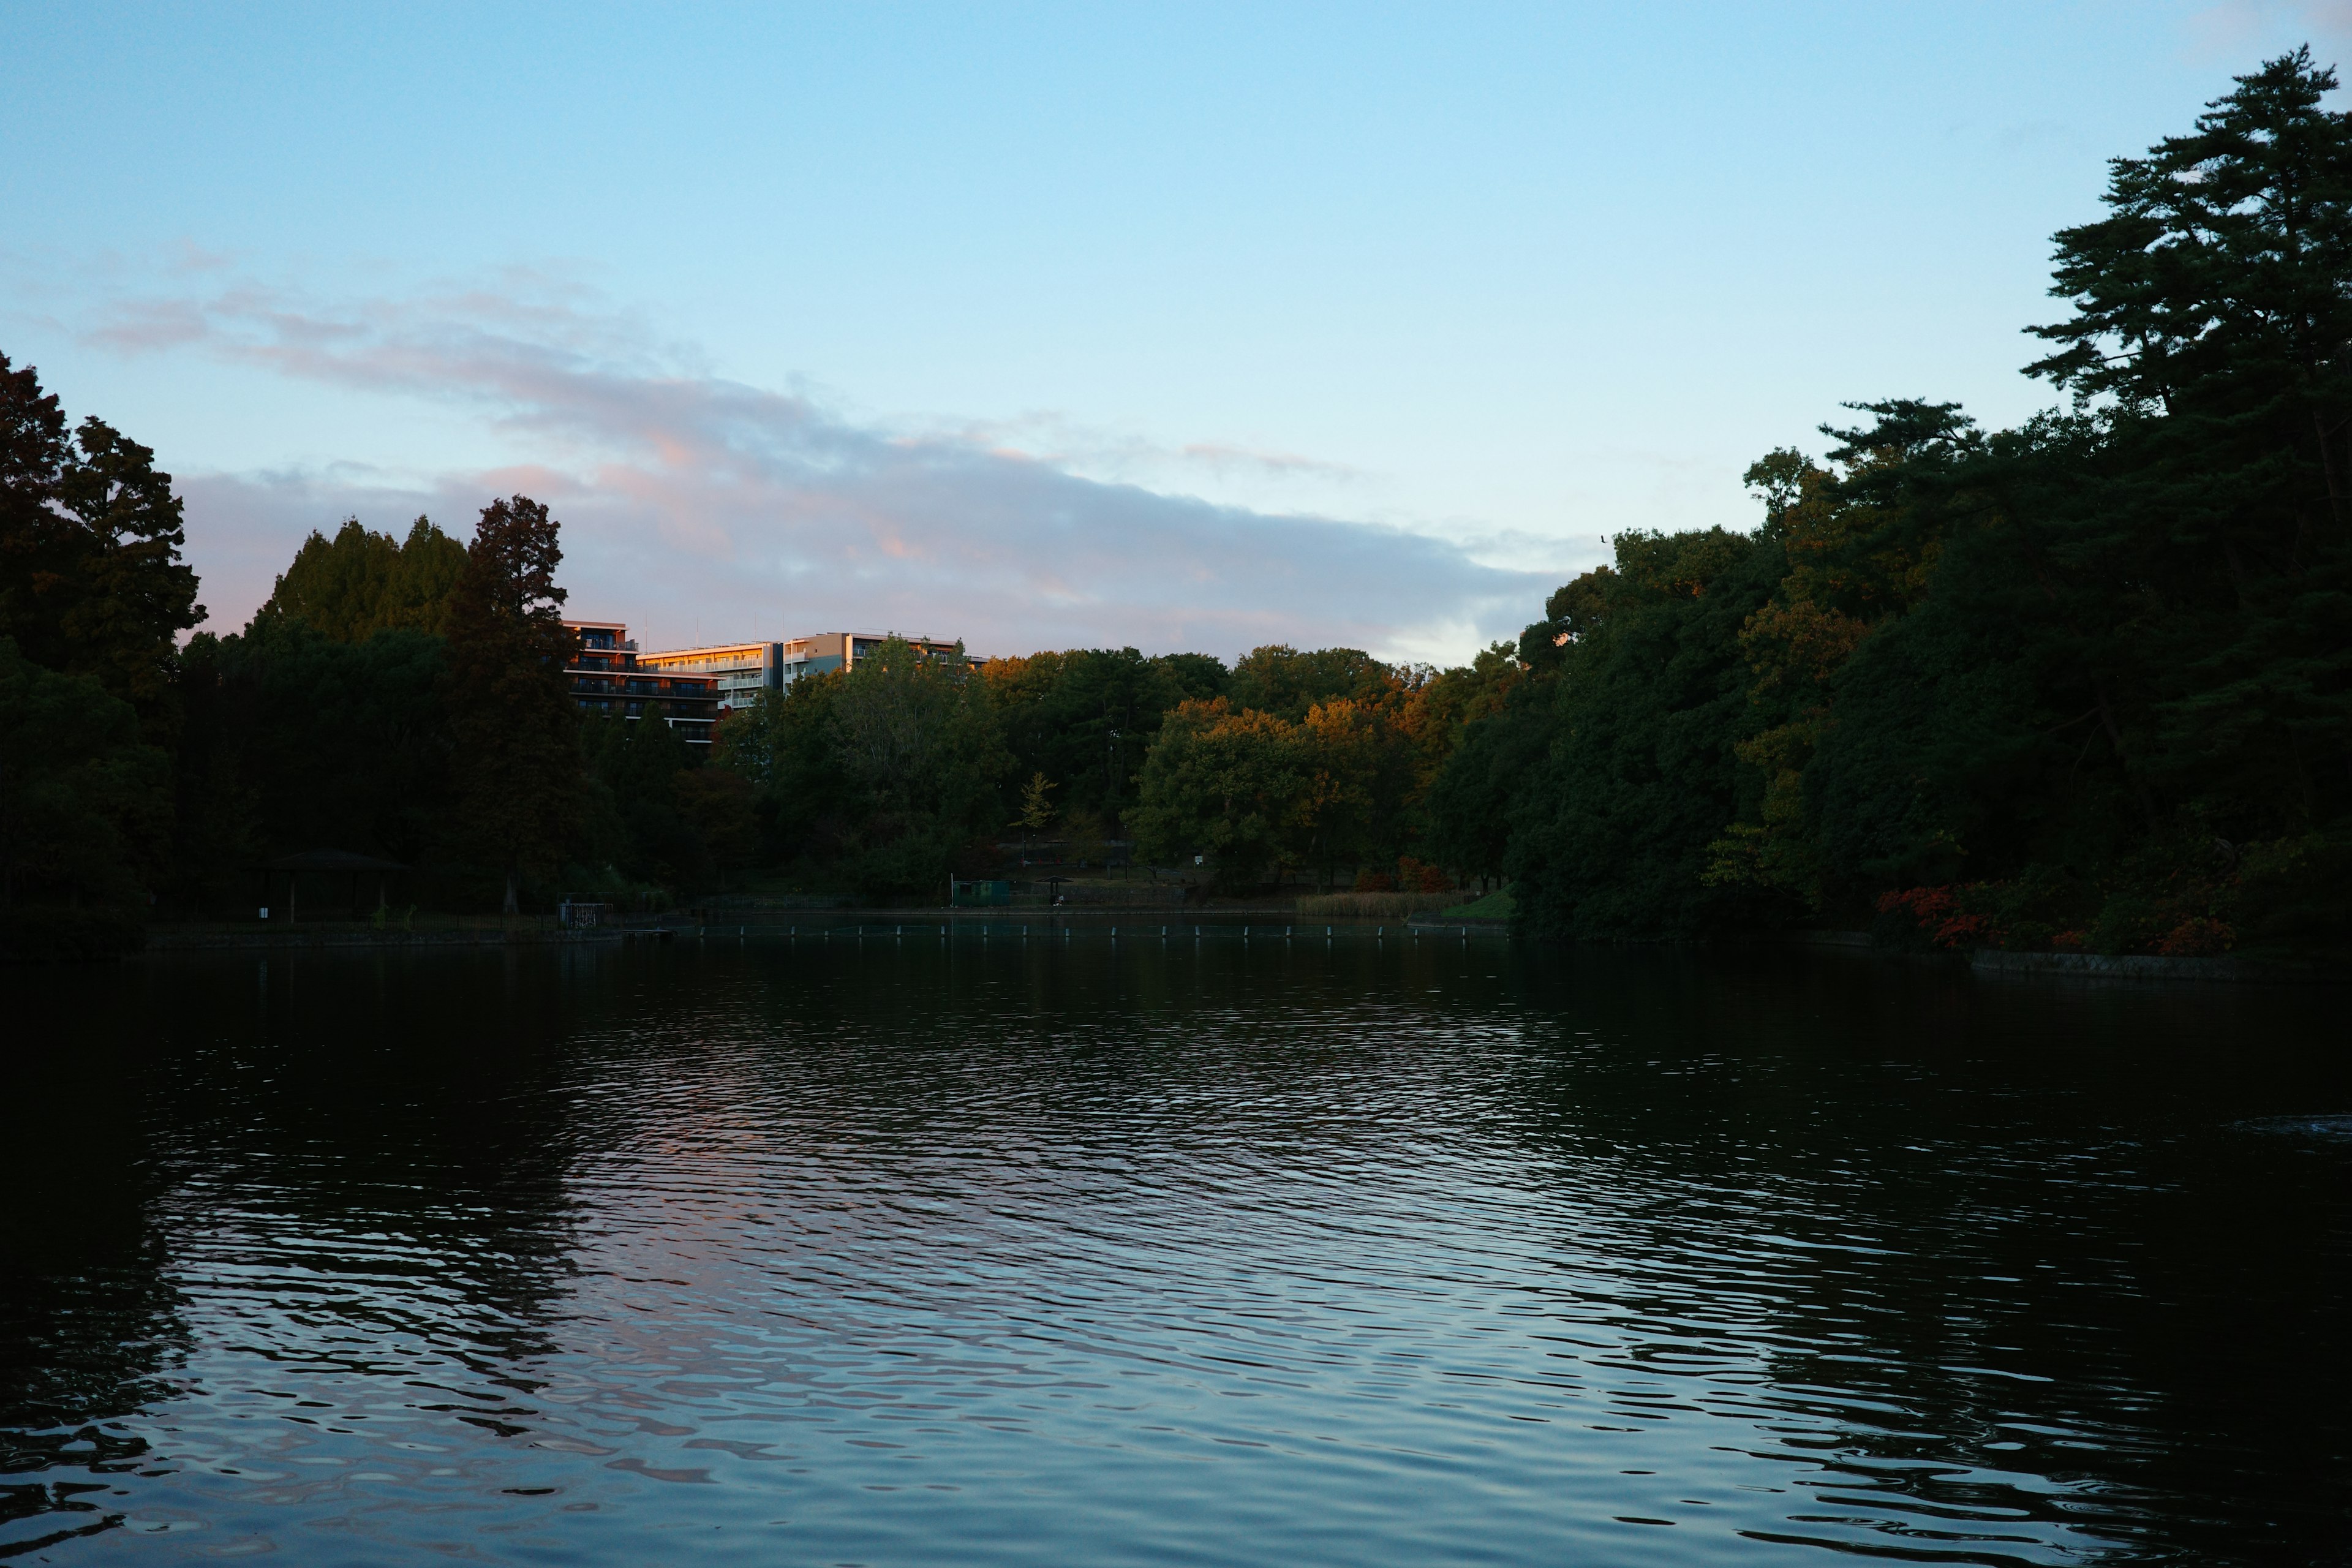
pixel 695 504
pixel 2228 30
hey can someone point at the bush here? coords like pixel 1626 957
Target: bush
pixel 1370 906
pixel 1949 919
pixel 2292 893
pixel 1420 876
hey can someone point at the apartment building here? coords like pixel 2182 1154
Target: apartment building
pixel 697 687
pixel 608 676
pixel 842 650
pixel 742 670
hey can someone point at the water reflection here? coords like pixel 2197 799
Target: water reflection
pixel 913 1251
pixel 90 1329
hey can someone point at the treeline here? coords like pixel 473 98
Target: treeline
pixel 406 700
pixel 886 778
pixel 2086 683
pixel 400 700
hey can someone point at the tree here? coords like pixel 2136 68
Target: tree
pixel 85 814
pixel 717 807
pixel 1229 784
pixel 296 741
pixel 514 728
pixel 783 748
pixel 91 582
pixel 1640 717
pixel 1281 680
pixel 1475 803
pixel 1435 722
pixel 1858 549
pixel 1036 810
pixel 2208 535
pixel 882 776
pixel 919 745
pixel 1087 716
pixel 359 582
pixel 1360 777
pixel 632 766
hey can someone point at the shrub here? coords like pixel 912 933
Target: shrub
pixel 2197 936
pixel 2291 891
pixel 1370 906
pixel 1421 876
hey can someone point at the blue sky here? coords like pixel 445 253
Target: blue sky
pixel 1193 327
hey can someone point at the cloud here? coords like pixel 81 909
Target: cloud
pixel 695 505
pixel 2233 28
pixel 1121 456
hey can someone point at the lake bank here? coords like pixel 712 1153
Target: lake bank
pixel 1270 922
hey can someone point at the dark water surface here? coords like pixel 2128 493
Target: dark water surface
pixel 919 1253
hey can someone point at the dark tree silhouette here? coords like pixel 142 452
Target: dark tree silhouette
pixel 515 729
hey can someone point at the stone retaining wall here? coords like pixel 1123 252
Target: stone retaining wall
pixel 2102 966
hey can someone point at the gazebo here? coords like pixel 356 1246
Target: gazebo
pixel 330 863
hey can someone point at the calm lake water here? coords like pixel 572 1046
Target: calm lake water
pixel 914 1252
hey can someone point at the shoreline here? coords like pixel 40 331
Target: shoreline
pixel 1989 964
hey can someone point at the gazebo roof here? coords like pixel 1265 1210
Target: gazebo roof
pixel 331 860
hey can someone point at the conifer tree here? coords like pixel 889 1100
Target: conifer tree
pixel 2211 344
pixel 513 722
pixel 361 582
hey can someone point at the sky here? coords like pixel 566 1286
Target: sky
pixel 1043 326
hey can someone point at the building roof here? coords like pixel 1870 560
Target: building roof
pixel 707 650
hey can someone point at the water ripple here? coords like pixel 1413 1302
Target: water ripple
pixel 1358 1254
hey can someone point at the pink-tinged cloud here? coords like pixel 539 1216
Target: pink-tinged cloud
pixel 697 506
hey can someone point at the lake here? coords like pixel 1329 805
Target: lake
pixel 925 1250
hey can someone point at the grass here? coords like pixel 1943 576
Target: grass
pixel 1494 906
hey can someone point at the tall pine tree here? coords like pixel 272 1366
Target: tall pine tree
pixel 2213 340
pixel 514 727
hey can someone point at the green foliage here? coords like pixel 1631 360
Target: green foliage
pixel 85 815
pixel 1361 783
pixel 1637 724
pixel 720 811
pixel 1086 717
pixel 2213 330
pixel 2030 687
pixel 1474 802
pixel 93 597
pixel 1281 680
pixel 880 778
pixel 360 582
pixel 1230 783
